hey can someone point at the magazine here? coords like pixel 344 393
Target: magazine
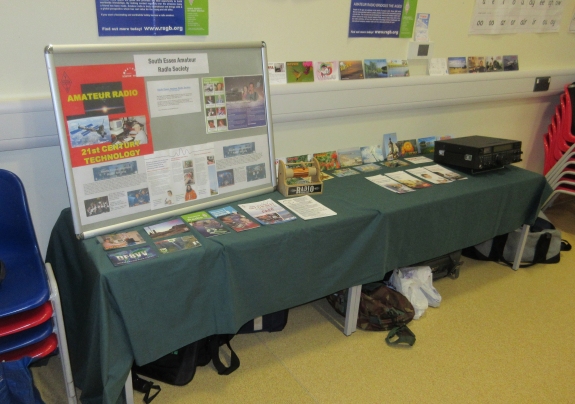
pixel 206 225
pixel 171 245
pixel 389 184
pixel 130 256
pixel 307 208
pixel 167 229
pixel 268 212
pixel 445 173
pixel 233 219
pixel 428 175
pixel 120 240
pixel 408 180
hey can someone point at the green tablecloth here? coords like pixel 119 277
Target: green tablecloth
pixel 147 309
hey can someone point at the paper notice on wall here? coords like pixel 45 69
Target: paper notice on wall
pixel 174 97
pixel 516 16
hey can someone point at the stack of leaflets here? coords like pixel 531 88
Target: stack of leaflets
pixel 120 240
pixel 167 229
pixel 267 212
pixel 408 180
pixel 130 256
pixel 307 208
pixel 389 184
pixel 170 245
pixel 206 225
pixel 232 218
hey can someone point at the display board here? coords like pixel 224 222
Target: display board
pixel 148 131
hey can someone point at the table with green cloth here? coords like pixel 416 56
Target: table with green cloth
pixel 142 311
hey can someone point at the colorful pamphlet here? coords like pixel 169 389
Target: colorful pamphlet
pixel 350 69
pixel 344 172
pixel 299 72
pixel 375 68
pixel 233 219
pixel 325 71
pixel 428 176
pixel 426 144
pixel 390 145
pixel 476 64
pixel 510 63
pixel 445 173
pixel 268 212
pixel 389 184
pixel 171 245
pixel 327 160
pixel 371 154
pixel 407 147
pixel 395 163
pixel 120 240
pixel 494 63
pixel 397 68
pixel 457 65
pixel 408 180
pixel 367 168
pixel 125 257
pixel 167 229
pixel 206 225
pixel 349 157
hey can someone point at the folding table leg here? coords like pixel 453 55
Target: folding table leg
pixel 129 389
pixel 353 296
pixel 521 246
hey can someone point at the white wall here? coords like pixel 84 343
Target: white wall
pixel 292 30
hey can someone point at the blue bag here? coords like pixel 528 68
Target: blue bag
pixel 16 384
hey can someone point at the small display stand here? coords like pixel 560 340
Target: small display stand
pixel 300 170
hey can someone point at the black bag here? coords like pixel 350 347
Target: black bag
pixel 446 265
pixel 179 367
pixel 272 322
pixel 543 246
pixel 381 308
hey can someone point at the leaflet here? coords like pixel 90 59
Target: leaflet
pixel 307 208
pixel 267 212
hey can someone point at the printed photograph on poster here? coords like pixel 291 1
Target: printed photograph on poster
pixel 106 111
pixel 375 68
pixel 245 103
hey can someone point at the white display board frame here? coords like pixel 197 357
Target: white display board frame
pixel 138 139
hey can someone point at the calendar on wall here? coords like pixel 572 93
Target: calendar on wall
pixel 516 16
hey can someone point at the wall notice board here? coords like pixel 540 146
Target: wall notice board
pixel 148 131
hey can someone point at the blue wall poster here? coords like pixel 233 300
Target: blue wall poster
pixel 152 17
pixel 382 18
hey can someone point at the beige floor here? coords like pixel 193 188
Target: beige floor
pixel 500 336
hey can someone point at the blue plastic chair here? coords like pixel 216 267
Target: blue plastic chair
pixel 28 285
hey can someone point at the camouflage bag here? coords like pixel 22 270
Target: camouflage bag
pixel 380 309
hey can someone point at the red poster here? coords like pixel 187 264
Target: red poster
pixel 106 112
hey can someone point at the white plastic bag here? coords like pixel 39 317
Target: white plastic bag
pixel 416 283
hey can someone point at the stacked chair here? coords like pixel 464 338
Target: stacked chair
pixel 559 144
pixel 31 321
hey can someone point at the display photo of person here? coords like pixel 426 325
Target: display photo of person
pixel 210 100
pixel 256 172
pixel 220 86
pixel 220 99
pixel 97 206
pixel 211 124
pixel 138 134
pixel 210 112
pixel 189 178
pixel 138 197
pixel 168 200
pixel 221 111
pixel 226 178
pixel 222 123
pixel 252 94
pixel 190 193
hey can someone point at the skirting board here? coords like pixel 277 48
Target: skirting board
pixel 30 123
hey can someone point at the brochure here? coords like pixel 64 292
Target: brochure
pixel 510 63
pixel 277 72
pixel 395 163
pixel 389 184
pixel 445 173
pixel 390 144
pixel 407 147
pixel 375 68
pixel 206 225
pixel 171 245
pixel 419 160
pixel 397 68
pixel 120 240
pixel 457 65
pixel 426 144
pixel 267 212
pixel 476 64
pixel 325 71
pixel 428 175
pixel 349 157
pixel 232 218
pixel 437 67
pixel 367 168
pixel 327 160
pixel 167 229
pixel 408 180
pixel 344 172
pixel 351 69
pixel 299 72
pixel 494 63
pixel 371 154
pixel 307 208
pixel 130 256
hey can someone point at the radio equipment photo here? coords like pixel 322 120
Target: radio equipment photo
pixel 477 153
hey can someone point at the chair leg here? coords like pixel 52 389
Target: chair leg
pixel 61 335
pixel 351 312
